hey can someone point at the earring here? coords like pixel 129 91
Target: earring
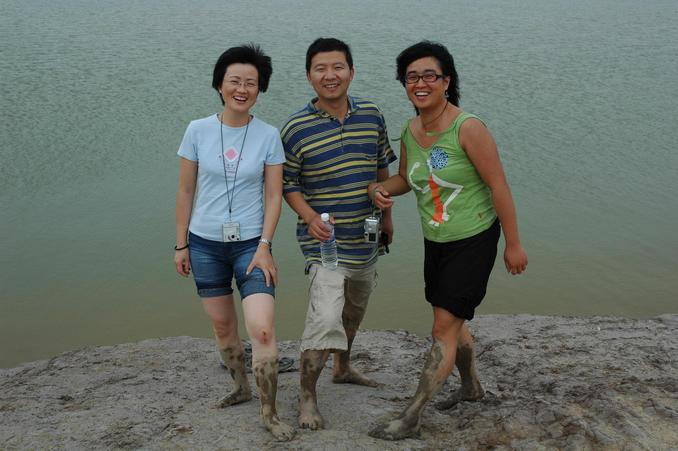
pixel 447 95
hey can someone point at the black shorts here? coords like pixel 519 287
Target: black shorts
pixel 456 272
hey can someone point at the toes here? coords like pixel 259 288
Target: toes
pixel 380 433
pixel 285 435
pixel 311 424
pixel 375 432
pixel 234 398
pixel 393 431
pixel 445 405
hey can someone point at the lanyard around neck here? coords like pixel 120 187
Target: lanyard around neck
pixel 231 194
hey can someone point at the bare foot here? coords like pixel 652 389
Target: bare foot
pixel 463 394
pixel 397 429
pixel 238 396
pixel 282 432
pixel 309 416
pixel 353 376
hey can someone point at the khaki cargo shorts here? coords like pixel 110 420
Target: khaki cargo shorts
pixel 337 300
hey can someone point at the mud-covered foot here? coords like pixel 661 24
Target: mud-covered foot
pixel 309 416
pixel 282 432
pixel 353 376
pixel 238 396
pixel 397 429
pixel 474 394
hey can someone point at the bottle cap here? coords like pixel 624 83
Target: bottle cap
pixel 325 217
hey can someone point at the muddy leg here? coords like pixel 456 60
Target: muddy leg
pixel 344 372
pixel 234 359
pixel 312 363
pixel 470 390
pixel 259 312
pixel 266 374
pixel 224 320
pixel 438 366
pixel 357 293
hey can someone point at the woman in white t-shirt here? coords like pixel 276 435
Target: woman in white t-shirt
pixel 225 230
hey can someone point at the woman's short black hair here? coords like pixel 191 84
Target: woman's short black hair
pixel 424 49
pixel 244 54
pixel 321 45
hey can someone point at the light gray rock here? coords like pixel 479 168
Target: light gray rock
pixel 552 382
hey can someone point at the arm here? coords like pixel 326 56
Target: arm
pixel 272 206
pixel 386 219
pixel 316 228
pixel 396 185
pixel 292 174
pixel 188 173
pixel 481 149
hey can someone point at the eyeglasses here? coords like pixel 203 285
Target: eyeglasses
pixel 248 84
pixel 428 77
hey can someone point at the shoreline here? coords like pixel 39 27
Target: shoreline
pixel 554 382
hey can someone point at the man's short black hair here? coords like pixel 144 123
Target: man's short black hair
pixel 244 54
pixel 321 45
pixel 424 49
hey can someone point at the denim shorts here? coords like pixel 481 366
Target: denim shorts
pixel 214 263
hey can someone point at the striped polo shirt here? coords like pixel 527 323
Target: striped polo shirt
pixel 332 164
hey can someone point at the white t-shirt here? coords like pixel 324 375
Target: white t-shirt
pixel 202 144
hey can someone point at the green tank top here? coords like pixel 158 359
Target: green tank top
pixel 453 201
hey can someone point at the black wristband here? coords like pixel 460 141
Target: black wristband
pixel 180 248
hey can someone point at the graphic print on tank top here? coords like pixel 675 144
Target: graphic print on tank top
pixel 439 189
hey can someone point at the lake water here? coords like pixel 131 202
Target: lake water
pixel 581 97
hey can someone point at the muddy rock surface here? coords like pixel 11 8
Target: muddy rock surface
pixel 551 382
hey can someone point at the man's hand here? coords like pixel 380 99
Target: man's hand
pixel 317 229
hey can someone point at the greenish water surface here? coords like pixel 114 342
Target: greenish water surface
pixel 580 96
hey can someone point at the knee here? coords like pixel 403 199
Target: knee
pixel 224 328
pixel 438 331
pixel 351 324
pixel 329 320
pixel 445 331
pixel 446 326
pixel 262 334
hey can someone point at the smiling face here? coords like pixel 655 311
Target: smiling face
pixel 240 87
pixel 330 75
pixel 424 94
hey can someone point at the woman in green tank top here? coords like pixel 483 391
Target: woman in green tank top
pixel 450 160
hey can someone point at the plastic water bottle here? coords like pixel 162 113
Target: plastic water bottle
pixel 328 249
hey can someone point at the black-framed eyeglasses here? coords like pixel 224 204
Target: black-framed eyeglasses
pixel 428 77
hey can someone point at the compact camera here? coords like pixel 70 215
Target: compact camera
pixel 372 230
pixel 231 232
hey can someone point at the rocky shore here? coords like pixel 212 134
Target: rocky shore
pixel 551 383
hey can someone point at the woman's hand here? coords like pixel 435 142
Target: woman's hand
pixel 182 262
pixel 515 259
pixel 264 260
pixel 379 195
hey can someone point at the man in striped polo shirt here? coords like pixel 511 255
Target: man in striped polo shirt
pixel 334 147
